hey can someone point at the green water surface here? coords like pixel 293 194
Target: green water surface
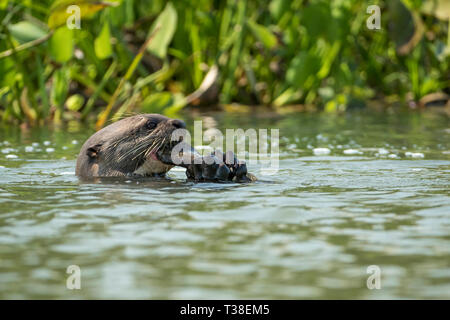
pixel 309 231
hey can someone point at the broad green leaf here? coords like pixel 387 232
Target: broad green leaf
pixel 316 17
pixel 163 102
pixel 429 85
pixel 304 65
pixel 102 45
pixel 157 102
pixel 263 34
pixel 75 102
pixel 331 106
pixel 61 11
pixel 167 22
pixel 60 87
pixel 8 72
pixel 25 31
pixel 61 44
pixel 3 4
pixel 278 8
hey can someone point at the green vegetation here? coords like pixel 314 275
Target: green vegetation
pixel 150 56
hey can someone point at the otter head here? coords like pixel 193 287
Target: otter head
pixel 131 146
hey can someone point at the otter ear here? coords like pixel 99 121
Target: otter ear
pixel 93 151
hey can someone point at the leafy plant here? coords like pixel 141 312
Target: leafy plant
pixel 315 53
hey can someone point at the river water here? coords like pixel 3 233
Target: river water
pixel 377 195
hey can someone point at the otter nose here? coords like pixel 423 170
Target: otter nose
pixel 177 123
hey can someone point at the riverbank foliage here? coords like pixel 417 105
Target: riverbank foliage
pixel 158 56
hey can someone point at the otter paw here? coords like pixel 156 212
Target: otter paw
pixel 238 168
pixel 218 167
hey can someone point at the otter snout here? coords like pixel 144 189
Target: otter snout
pixel 178 124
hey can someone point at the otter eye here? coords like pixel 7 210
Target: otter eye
pixel 151 125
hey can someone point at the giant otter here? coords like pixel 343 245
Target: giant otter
pixel 142 145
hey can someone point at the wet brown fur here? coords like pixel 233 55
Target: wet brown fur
pixel 124 148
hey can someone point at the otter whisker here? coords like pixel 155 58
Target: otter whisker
pixel 157 143
pixel 132 151
pixel 146 148
pixel 142 150
pixel 153 147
